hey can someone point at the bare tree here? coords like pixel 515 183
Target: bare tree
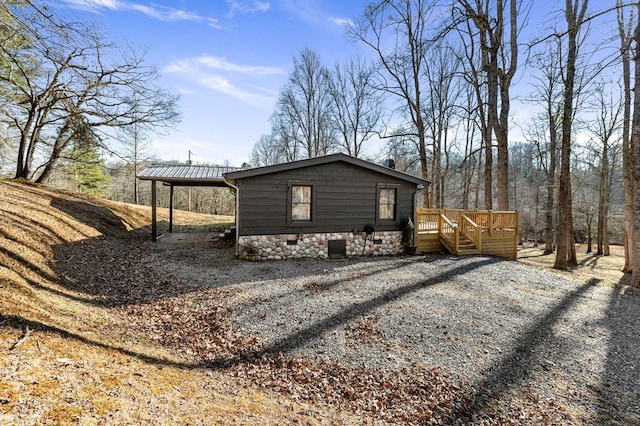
pixel 470 165
pixel 635 154
pixel 83 85
pixel 625 28
pixel 265 152
pixel 284 137
pixel 357 105
pixel 395 30
pixel 304 107
pixel 499 60
pixel 477 80
pixel 608 110
pixel 545 131
pixel 565 254
pixel 135 150
pixel 442 69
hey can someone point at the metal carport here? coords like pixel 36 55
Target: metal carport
pixel 180 175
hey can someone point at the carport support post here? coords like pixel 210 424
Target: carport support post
pixel 154 230
pixel 170 208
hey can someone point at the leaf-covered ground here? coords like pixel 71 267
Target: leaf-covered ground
pixel 66 359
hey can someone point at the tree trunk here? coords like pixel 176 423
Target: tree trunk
pixel 589 234
pixel 551 185
pixel 572 256
pixel 502 132
pixel 603 196
pixel 635 153
pixel 536 225
pixel 565 254
pixel 627 143
pixel 488 173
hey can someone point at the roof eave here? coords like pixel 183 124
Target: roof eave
pixel 323 160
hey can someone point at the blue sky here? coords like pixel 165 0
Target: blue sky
pixel 227 58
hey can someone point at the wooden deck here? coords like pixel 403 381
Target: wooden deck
pixel 461 232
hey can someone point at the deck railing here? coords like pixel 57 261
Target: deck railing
pixel 427 221
pixel 472 230
pixel 487 220
pixel 498 229
pixel 450 233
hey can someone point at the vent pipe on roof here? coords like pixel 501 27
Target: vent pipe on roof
pixel 390 163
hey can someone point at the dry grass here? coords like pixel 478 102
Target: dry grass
pixel 65 359
pixel 591 269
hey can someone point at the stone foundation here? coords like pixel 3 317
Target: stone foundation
pixel 298 246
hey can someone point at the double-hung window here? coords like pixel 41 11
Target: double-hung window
pixel 386 206
pixel 300 204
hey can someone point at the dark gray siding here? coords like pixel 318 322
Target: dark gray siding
pixel 345 200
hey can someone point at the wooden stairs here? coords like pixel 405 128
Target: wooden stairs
pixel 466 246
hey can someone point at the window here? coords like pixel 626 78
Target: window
pixel 386 206
pixel 301 208
pixel 300 202
pixel 387 202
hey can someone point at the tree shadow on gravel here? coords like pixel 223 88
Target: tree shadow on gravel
pixel 619 390
pixel 514 368
pixel 317 283
pixel 123 272
pixel 295 340
pixel 281 346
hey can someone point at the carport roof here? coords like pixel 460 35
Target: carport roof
pixel 186 174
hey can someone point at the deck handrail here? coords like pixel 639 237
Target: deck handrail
pixel 489 220
pixel 471 229
pixel 450 232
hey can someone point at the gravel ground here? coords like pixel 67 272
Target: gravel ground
pixel 498 327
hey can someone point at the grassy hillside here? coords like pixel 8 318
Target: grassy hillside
pixel 64 356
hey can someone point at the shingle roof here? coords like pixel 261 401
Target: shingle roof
pixel 258 171
pixel 185 174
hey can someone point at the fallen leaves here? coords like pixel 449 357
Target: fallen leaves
pixel 410 396
pixel 367 330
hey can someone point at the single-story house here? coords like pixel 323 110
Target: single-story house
pixel 329 206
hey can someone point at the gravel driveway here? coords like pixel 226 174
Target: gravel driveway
pixel 497 327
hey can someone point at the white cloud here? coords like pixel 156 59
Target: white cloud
pixel 223 85
pixel 341 21
pixel 235 80
pixel 247 6
pixel 218 63
pixel 162 13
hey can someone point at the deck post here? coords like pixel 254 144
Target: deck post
pixel 517 236
pixel 490 224
pixel 456 239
